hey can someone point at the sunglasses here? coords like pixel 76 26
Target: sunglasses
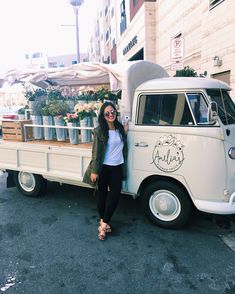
pixel 109 113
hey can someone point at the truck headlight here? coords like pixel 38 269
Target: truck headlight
pixel 231 153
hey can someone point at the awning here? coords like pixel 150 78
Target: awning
pixel 125 76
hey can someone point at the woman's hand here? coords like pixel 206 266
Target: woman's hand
pixel 94 177
pixel 126 126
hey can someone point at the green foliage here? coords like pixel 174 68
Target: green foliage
pixel 22 110
pixel 46 110
pixel 101 94
pixel 55 108
pixel 54 93
pixel 33 94
pixel 186 72
pixel 83 114
pixel 38 105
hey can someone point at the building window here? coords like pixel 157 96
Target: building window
pixel 107 36
pixel 106 10
pixel 112 12
pixel 123 17
pixel 52 64
pixel 37 55
pixel 214 3
pixel 135 2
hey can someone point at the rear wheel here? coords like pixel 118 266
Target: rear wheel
pixel 29 184
pixel 166 204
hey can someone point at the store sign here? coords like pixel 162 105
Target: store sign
pixel 130 45
pixel 177 49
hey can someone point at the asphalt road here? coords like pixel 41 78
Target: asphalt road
pixel 49 245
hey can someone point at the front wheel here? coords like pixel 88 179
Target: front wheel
pixel 29 184
pixel 166 204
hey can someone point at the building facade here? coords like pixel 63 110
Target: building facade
pixel 40 60
pixel 174 34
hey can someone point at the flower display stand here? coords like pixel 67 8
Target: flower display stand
pixel 60 133
pixel 37 131
pixel 14 130
pixel 95 122
pixel 85 134
pixel 48 132
pixel 73 133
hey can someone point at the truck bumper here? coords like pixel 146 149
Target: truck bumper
pixel 217 207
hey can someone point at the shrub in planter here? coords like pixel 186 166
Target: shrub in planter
pixel 21 112
pixel 47 120
pixel 32 94
pixel 54 93
pixel 58 110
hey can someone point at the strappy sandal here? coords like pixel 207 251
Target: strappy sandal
pixel 102 231
pixel 108 228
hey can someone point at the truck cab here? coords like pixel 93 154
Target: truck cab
pixel 182 142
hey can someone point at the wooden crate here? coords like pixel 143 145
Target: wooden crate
pixel 14 130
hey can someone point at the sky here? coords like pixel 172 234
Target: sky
pixel 28 26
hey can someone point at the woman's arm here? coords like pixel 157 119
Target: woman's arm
pixel 96 158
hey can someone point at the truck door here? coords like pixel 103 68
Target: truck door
pixel 159 118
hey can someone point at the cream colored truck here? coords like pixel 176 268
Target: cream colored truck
pixel 181 151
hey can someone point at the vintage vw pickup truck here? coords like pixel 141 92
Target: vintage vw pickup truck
pixel 181 143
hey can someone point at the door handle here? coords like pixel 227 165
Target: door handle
pixel 141 144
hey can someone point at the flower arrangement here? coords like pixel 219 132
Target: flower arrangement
pixel 71 118
pixel 32 94
pixel 87 109
pixel 104 93
pixel 54 93
pixel 38 105
pixel 45 110
pixel 55 108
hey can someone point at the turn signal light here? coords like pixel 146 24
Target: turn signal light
pixel 231 152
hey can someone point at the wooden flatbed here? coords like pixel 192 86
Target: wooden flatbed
pixel 55 161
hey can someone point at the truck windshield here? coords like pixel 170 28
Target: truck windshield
pixel 226 107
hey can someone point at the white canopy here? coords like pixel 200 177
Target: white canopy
pixel 125 76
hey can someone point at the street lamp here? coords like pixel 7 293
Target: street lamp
pixel 76 5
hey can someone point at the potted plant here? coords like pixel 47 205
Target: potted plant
pixel 21 112
pixel 47 119
pixel 72 121
pixel 36 111
pixel 32 95
pixel 58 110
pixel 85 112
pixel 54 93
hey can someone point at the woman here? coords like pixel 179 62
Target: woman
pixel 107 168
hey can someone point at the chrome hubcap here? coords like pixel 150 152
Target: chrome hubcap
pixel 164 205
pixel 26 181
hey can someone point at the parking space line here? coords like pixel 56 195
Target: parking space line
pixel 229 240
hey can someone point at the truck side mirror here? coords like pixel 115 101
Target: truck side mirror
pixel 212 112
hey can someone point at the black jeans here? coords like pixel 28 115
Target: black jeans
pixel 110 176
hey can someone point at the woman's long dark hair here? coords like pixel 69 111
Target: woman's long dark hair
pixel 103 123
